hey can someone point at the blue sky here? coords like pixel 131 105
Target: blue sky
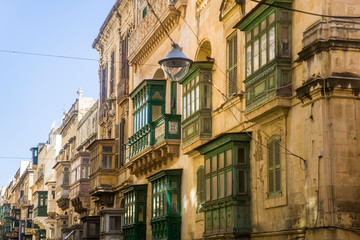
pixel 35 90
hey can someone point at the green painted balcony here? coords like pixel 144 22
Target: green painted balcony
pixel 156 135
pixel 40 204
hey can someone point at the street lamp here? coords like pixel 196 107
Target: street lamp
pixel 175 64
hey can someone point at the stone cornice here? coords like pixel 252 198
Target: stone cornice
pixel 106 27
pixel 149 34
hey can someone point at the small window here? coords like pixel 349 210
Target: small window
pixel 106 162
pixel 144 12
pixel 274 167
pixel 115 223
pixel 107 149
pixel 200 188
pixel 232 64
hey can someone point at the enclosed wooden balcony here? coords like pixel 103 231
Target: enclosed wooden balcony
pixel 80 183
pixel 62 169
pixel 156 137
pixel 40 204
pixel 102 166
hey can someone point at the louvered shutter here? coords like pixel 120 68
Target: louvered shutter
pixel 201 185
pixel 117 145
pixel 232 65
pixel 124 58
pixel 271 167
pixel 105 82
pixel 122 141
pixel 103 85
pixel 112 73
pixel 277 166
pixel 274 166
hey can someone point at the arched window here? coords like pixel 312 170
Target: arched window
pixel 274 167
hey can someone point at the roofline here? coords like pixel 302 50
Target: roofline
pixel 110 14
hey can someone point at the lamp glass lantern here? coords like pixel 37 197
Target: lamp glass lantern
pixel 175 64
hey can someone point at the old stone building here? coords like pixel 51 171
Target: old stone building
pixel 67 162
pixel 267 117
pixel 257 139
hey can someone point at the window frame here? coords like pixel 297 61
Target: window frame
pixel 272 78
pixel 232 66
pixel 255 33
pixel 195 89
pixel 274 156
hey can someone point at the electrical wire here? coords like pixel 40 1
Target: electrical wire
pixel 157 17
pixel 64 57
pixel 48 55
pixel 305 12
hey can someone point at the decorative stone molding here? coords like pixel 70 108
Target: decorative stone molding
pixel 149 33
pixel 330 34
pixel 154 157
pixel 228 5
pixel 201 4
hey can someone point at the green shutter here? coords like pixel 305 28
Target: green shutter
pixel 232 65
pixel 274 167
pixel 200 186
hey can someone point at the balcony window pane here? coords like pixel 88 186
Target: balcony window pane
pixel 255 31
pixel 207 165
pixel 213 163
pixel 228 157
pixel 207 97
pixel 192 100
pixel 214 188
pixel 115 223
pixel 174 202
pixel 248 62
pixel 272 43
pixel 263 25
pixel 184 107
pixel 107 149
pixel 256 55
pixel 106 162
pixel 188 104
pixel 228 183
pixel 141 213
pixel 241 155
pixel 271 18
pixel 197 104
pixel 285 41
pixel 221 185
pixel 221 160
pixel 263 49
pixel 248 36
pixel 156 112
pixel 208 189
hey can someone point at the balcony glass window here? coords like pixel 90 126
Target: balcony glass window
pixel 268 59
pixel 166 204
pixel 107 156
pixel 114 223
pixel 135 212
pixel 226 179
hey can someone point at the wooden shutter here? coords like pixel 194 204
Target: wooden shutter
pixel 112 72
pixel 117 145
pixel 232 65
pixel 200 185
pixel 122 141
pixel 102 80
pixel 277 166
pixel 124 58
pixel 274 166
